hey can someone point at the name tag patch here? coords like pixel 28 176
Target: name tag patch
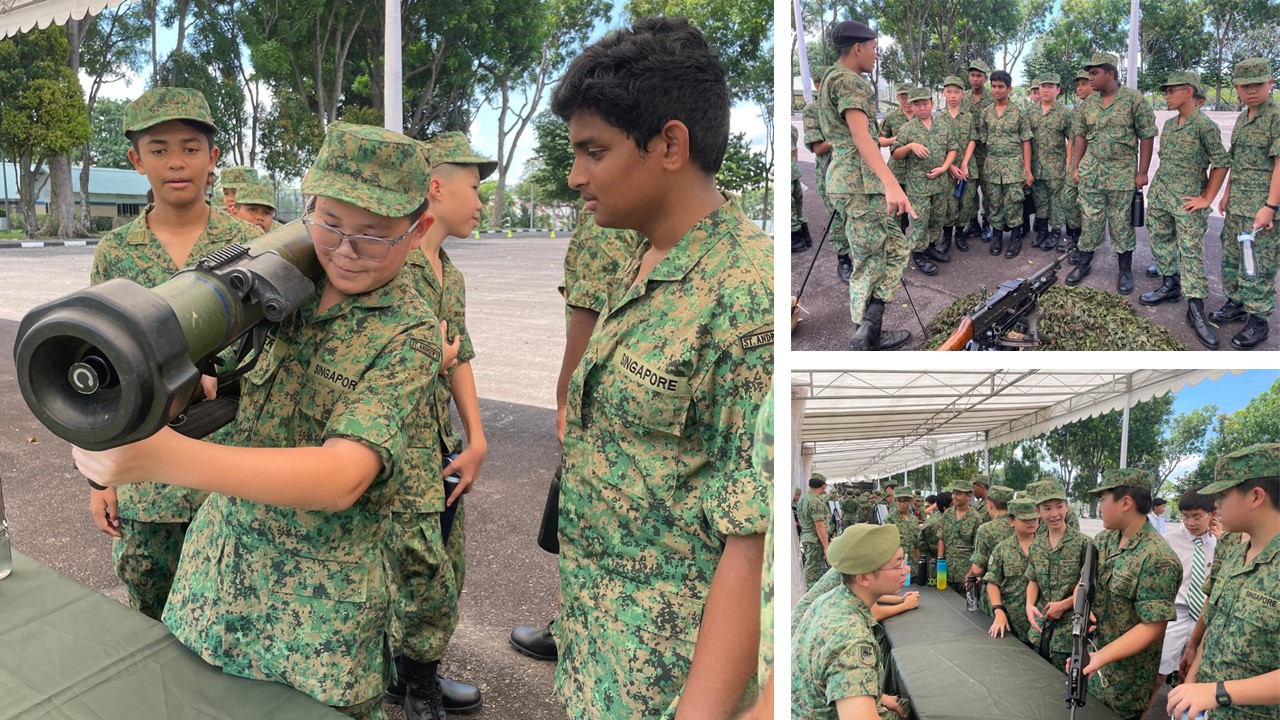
pixel 1261 599
pixel 426 348
pixel 757 340
pixel 332 376
pixel 648 375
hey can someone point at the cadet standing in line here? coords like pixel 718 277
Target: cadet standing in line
pixel 990 534
pixel 975 101
pixel 926 150
pixel 678 366
pixel 862 188
pixel 1179 204
pixel 1250 204
pixel 1048 482
pixel 1006 133
pixel 800 238
pixel 956 533
pixel 821 149
pixel 1071 188
pixel 908 528
pixel 1137 582
pixel 1050 150
pixel 963 126
pixel 1006 576
pixel 981 488
pixel 1114 135
pixel 929 536
pixel 813 515
pixel 231 180
pixel 890 126
pixel 1239 659
pixel 839 651
pixel 1053 571
pixel 170 131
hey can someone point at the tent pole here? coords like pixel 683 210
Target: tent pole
pixel 933 478
pixel 392 91
pixel 1124 437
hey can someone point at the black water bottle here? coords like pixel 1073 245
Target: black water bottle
pixel 959 188
pixel 1138 211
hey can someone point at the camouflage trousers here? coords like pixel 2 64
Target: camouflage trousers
pixel 797 199
pixel 877 249
pixel 1100 209
pixel 426 582
pixel 958 562
pixel 835 236
pixel 1071 202
pixel 368 710
pixel 931 211
pixel 1003 203
pixel 815 562
pixel 145 560
pixel 1177 241
pixel 1259 294
pixel 1050 201
pixel 822 162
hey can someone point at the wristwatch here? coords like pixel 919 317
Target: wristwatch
pixel 1224 700
pixel 1269 205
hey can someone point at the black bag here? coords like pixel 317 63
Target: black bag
pixel 450 484
pixel 549 531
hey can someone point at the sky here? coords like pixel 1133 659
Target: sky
pixel 484 127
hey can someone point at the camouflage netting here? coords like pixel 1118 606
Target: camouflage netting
pixel 1072 319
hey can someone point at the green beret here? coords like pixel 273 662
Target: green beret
pixel 1253 70
pixel 1050 79
pixel 1255 461
pixel 256 193
pixel 953 80
pixel 980 66
pixel 863 548
pixel 960 486
pixel 1181 78
pixel 370 167
pixel 1102 59
pixel 1023 509
pixel 1123 477
pixel 920 93
pixel 162 104
pixel 1000 493
pixel 1048 491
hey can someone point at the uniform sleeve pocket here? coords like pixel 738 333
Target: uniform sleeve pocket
pixel 321 579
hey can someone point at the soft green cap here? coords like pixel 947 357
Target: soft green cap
pixel 1048 491
pixel 234 178
pixel 978 65
pixel 452 148
pixel 904 497
pixel 920 93
pixel 982 479
pixel 953 80
pixel 818 476
pixel 162 104
pixel 1050 79
pixel 256 193
pixel 1102 59
pixel 1255 461
pixel 1082 75
pixel 960 486
pixel 863 548
pixel 1000 493
pixel 1123 477
pixel 820 72
pixel 370 167
pixel 1023 509
pixel 1253 70
pixel 1181 78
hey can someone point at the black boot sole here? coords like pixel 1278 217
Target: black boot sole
pixel 535 656
pixel 1165 299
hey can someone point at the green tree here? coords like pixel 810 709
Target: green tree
pixel 108 147
pixel 1257 422
pixel 743 168
pixel 552 159
pixel 291 137
pixel 1184 437
pixel 1228 21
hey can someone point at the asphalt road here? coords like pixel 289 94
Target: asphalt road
pixel 825 323
pixel 517 324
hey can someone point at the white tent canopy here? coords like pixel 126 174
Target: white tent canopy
pixel 17 16
pixel 868 424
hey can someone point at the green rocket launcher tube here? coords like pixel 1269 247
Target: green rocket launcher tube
pixel 111 364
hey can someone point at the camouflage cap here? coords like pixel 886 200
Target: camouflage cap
pixel 1000 493
pixel 982 479
pixel 1102 59
pixel 818 476
pixel 162 104
pixel 920 94
pixel 820 72
pixel 1082 75
pixel 256 193
pixel 1023 509
pixel 452 148
pixel 233 178
pixel 1181 78
pixel 1050 79
pixel 1034 85
pixel 960 486
pixel 1255 461
pixel 904 90
pixel 980 66
pixel 1253 70
pixel 1049 491
pixel 1123 477
pixel 370 167
pixel 953 80
pixel 904 497
pixel 863 548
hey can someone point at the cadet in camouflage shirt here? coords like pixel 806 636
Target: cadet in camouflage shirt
pixel 963 125
pixel 810 511
pixel 956 532
pixel 926 149
pixel 1137 583
pixel 1053 571
pixel 1050 143
pixel 153 517
pixel 821 149
pixel 991 533
pixel 908 528
pixel 1006 576
pixel 1006 134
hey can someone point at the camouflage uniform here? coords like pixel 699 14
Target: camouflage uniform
pixel 1007 568
pixel 964 128
pixel 594 256
pixel 830 580
pixel 957 534
pixel 977 166
pixel 811 510
pixel 1187 151
pixel 878 249
pixel 256 193
pixel 1050 132
pixel 890 126
pixel 299 596
pixel 797 190
pixel 839 651
pixel 1215 570
pixel 908 532
pixel 1003 174
pixel 812 136
pixel 657 464
pixel 1056 572
pixel 929 534
pixel 1255 147
pixel 990 534
pixel 154 516
pixel 1070 188
pixel 928 196
pixel 1110 164
pixel 762 459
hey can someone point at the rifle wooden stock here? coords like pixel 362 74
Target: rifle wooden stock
pixel 960 337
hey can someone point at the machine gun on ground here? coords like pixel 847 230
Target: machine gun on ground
pixel 1007 319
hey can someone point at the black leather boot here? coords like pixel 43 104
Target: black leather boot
pixel 1083 268
pixel 1169 291
pixel 937 254
pixel 1015 245
pixel 997 242
pixel 1153 271
pixel 459 697
pixel 962 242
pixel 423 699
pixel 1255 332
pixel 1124 283
pixel 973 229
pixel 844 268
pixel 536 642
pixel 1231 312
pixel 921 262
pixel 868 336
pixel 944 242
pixel 1195 318
pixel 800 239
pixel 1053 241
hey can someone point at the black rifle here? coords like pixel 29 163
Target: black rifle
pixel 1077 684
pixel 1014 307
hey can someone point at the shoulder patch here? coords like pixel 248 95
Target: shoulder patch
pixel 431 351
pixel 866 655
pixel 758 340
pixel 810 121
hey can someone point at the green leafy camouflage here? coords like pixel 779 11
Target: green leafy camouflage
pixel 452 148
pixel 848 174
pixel 1248 463
pixel 370 167
pixel 1136 584
pixel 762 460
pixel 1050 133
pixel 1255 143
pixel 958 534
pixel 255 193
pixel 162 104
pixel 145 558
pixel 839 651
pixel 1056 571
pixel 812 136
pixel 427 577
pixel 1006 566
pixel 1187 151
pixel 657 464
pixel 298 596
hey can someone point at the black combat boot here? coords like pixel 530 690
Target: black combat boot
pixel 536 642
pixel 1052 242
pixel 1042 233
pixel 937 253
pixel 844 268
pixel 1195 318
pixel 997 242
pixel 1124 282
pixel 1015 245
pixel 459 697
pixel 1231 312
pixel 973 229
pixel 868 336
pixel 921 261
pixel 1083 268
pixel 801 239
pixel 1255 332
pixel 423 699
pixel 962 242
pixel 944 242
pixel 1069 241
pixel 1169 291
pixel 1153 271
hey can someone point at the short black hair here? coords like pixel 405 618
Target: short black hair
pixel 1194 500
pixel 999 505
pixel 1269 485
pixel 944 500
pixel 133 136
pixel 930 499
pixel 816 482
pixel 1001 76
pixel 1157 502
pixel 1108 67
pixel 639 78
pixel 1141 497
